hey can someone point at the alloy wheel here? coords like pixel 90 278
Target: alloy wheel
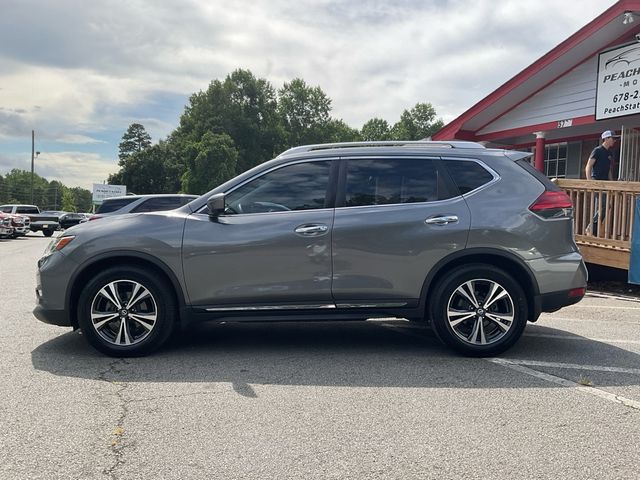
pixel 123 312
pixel 480 312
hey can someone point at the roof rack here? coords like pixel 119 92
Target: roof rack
pixel 398 143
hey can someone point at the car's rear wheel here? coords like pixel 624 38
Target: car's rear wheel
pixel 126 312
pixel 47 233
pixel 479 310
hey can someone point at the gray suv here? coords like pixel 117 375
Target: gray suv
pixel 472 240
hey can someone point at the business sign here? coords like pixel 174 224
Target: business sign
pixel 102 191
pixel 618 87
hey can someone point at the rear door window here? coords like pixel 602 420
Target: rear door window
pixel 385 181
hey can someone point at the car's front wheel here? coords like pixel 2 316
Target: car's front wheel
pixel 126 312
pixel 479 310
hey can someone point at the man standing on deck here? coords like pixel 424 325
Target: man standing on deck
pixel 599 168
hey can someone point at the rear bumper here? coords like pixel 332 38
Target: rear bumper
pixel 39 226
pixel 554 301
pixel 551 302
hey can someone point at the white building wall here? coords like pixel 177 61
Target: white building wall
pixel 571 96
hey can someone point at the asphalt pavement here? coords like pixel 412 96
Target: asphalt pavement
pixel 364 400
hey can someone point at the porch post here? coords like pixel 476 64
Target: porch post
pixel 540 143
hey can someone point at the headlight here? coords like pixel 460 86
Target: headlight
pixel 58 244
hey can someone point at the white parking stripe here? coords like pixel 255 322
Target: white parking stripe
pixel 583 339
pixel 605 306
pixel 566 383
pixel 547 317
pixel 572 366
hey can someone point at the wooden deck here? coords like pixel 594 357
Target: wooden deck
pixel 609 241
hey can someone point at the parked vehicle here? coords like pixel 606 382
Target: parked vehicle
pixel 140 204
pixel 6 230
pixel 21 225
pixel 47 224
pixel 70 219
pixel 53 213
pixel 473 240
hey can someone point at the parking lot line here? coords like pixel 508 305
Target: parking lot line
pixel 546 316
pixel 572 366
pixel 582 339
pixel 518 365
pixel 605 306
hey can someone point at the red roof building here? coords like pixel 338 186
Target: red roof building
pixel 559 105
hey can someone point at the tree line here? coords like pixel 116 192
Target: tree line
pixel 241 122
pixel 233 125
pixel 15 187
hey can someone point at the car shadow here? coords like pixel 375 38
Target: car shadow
pixel 354 354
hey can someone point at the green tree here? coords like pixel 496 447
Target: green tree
pixel 376 129
pixel 304 112
pixel 338 131
pixel 82 199
pixel 242 107
pixel 212 161
pixel 18 187
pixel 134 140
pixel 53 196
pixel 3 190
pixel 417 124
pixel 152 170
pixel 68 203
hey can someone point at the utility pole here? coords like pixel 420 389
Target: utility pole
pixel 33 152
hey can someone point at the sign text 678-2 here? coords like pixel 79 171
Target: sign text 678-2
pixel 623 97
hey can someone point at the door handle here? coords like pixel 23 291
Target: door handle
pixel 312 230
pixel 442 220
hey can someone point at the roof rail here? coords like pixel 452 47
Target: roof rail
pixel 391 143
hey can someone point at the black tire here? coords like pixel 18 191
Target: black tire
pixel 47 233
pixel 456 313
pixel 127 329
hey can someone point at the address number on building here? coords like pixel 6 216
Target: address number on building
pixel 565 123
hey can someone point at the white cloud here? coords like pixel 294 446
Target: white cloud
pixel 75 168
pixel 77 139
pixel 80 68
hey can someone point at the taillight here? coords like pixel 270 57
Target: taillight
pixel 553 204
pixel 577 292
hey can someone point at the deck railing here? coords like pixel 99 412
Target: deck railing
pixel 610 235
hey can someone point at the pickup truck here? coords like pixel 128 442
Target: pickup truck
pixel 45 223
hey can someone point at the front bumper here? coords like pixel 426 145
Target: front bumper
pixel 51 290
pixel 52 317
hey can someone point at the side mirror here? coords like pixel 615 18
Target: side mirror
pixel 216 205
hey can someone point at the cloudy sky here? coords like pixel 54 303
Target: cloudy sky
pixel 79 72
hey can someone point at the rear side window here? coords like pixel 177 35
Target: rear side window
pixel 393 180
pixel 467 175
pixel 28 210
pixel 7 209
pixel 161 203
pixel 109 206
pixel 549 185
